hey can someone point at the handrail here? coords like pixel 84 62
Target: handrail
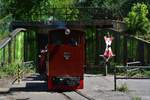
pixel 4 42
pixel 10 37
pixel 132 63
pixel 17 30
pixel 129 67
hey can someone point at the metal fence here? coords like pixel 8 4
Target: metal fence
pixel 126 76
pixel 86 14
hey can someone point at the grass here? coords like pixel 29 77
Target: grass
pixel 10 70
pixel 139 73
pixel 133 73
pixel 136 98
pixel 123 88
pixel 147 73
pixel 2 36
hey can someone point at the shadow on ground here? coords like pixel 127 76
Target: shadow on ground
pixel 33 83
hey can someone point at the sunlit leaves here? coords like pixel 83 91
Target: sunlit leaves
pixel 61 3
pixel 137 21
pixel 114 6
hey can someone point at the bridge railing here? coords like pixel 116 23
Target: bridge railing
pixel 9 49
pixel 69 14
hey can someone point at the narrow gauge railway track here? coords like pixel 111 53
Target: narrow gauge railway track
pixel 66 96
pixel 85 96
pixel 76 95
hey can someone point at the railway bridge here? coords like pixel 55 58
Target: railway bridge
pixel 32 36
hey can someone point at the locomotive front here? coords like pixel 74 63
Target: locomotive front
pixel 65 59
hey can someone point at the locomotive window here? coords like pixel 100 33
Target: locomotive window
pixel 56 38
pixel 72 39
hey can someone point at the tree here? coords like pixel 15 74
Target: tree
pixel 115 7
pixel 64 9
pixel 20 9
pixel 137 21
pixel 126 7
pixel 111 9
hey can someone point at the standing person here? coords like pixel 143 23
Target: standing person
pixel 108 52
pixel 42 57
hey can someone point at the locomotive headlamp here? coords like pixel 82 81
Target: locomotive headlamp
pixel 67 31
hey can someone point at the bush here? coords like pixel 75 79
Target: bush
pixel 146 73
pixel 10 70
pixel 136 98
pixel 137 21
pixel 123 88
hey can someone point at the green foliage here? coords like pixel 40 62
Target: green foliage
pixel 32 9
pixel 62 9
pixel 61 3
pixel 4 25
pixel 19 9
pixel 114 6
pixel 111 9
pixel 97 3
pixel 118 8
pixel 10 70
pixel 136 98
pixel 133 73
pixel 137 21
pixel 146 73
pixel 67 14
pixel 123 88
pixel 39 9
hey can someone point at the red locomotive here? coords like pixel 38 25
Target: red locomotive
pixel 65 59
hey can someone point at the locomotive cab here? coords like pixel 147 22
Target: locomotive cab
pixel 65 61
